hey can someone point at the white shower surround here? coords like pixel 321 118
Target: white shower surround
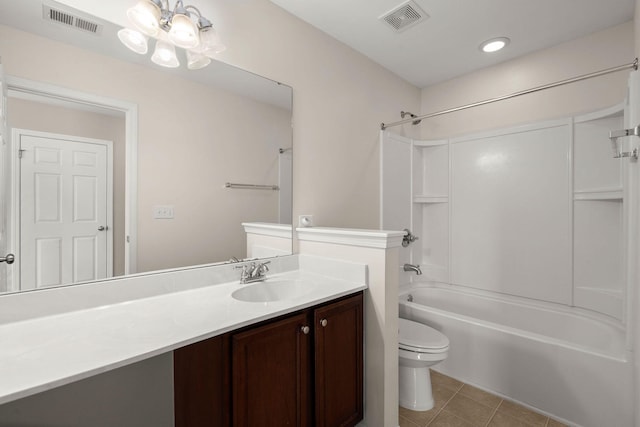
pixel 581 373
pixel 532 344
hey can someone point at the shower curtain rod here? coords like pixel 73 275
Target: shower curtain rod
pixel 633 65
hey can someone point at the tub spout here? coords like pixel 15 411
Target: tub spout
pixel 411 267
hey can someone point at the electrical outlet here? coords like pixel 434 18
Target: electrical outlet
pixel 305 221
pixel 163 212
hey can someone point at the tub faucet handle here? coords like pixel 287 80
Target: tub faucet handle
pixel 408 238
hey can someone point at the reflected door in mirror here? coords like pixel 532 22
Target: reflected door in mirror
pixel 64 207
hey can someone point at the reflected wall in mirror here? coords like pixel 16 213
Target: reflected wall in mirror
pixel 192 131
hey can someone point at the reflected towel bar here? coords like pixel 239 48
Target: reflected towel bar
pixel 251 186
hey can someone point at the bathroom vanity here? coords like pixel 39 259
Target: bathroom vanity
pixel 219 329
pixel 303 368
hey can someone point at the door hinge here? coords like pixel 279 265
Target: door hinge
pixel 20 152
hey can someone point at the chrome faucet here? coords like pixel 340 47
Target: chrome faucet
pixel 254 272
pixel 411 267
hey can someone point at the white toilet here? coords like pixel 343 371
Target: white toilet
pixel 420 346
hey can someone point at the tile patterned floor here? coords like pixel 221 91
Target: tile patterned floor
pixel 461 405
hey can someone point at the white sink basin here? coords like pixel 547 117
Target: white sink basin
pixel 270 290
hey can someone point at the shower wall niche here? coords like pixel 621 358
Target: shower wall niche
pixel 599 216
pixel 431 208
pixel 535 211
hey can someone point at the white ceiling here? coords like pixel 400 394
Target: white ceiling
pixel 446 44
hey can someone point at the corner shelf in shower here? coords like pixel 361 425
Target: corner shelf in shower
pixel 598 215
pixel 423 198
pixel 432 143
pixel 612 194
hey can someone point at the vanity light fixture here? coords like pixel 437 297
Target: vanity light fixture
pixel 494 45
pixel 165 55
pixel 134 40
pixel 184 27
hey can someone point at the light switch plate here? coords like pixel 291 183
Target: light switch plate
pixel 163 212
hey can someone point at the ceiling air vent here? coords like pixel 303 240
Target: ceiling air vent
pixel 70 20
pixel 404 16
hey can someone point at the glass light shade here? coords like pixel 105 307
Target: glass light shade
pixel 196 60
pixel 134 40
pixel 165 55
pixel 145 15
pixel 210 43
pixel 183 32
pixel 494 45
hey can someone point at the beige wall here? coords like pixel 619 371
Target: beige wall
pixel 32 115
pixel 340 99
pixel 192 139
pixel 598 51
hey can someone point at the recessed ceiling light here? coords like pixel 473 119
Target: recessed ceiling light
pixel 494 45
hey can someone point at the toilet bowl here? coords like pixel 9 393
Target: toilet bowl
pixel 420 347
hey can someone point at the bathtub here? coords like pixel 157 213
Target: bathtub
pixel 567 363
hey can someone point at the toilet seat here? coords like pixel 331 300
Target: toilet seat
pixel 420 338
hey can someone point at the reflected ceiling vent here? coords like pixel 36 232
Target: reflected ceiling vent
pixel 70 20
pixel 404 16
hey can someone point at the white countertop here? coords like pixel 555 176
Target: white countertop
pixel 40 353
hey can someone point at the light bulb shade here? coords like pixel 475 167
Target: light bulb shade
pixel 134 40
pixel 165 55
pixel 145 15
pixel 494 45
pixel 210 43
pixel 196 60
pixel 183 32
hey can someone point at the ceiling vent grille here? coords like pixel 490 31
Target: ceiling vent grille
pixel 70 20
pixel 404 16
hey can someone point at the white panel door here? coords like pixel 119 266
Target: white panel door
pixel 64 211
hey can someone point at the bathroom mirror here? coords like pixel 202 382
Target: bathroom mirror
pixel 175 138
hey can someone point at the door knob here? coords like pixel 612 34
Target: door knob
pixel 102 228
pixel 324 322
pixel 9 259
pixel 305 330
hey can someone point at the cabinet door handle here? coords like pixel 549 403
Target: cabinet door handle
pixel 324 322
pixel 305 330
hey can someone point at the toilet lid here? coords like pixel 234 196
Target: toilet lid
pixel 418 335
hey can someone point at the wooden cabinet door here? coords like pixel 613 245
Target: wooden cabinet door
pixel 338 363
pixel 271 374
pixel 201 383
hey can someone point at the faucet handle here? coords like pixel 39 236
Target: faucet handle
pixel 246 272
